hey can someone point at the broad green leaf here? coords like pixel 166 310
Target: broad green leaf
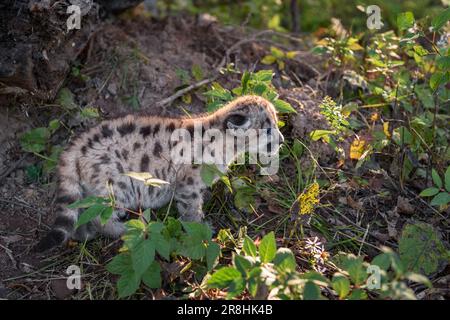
pixel 90 214
pixel 128 284
pixel 263 76
pixel 35 140
pixel 440 20
pixel 321 134
pixel 162 246
pixel 311 291
pixel 249 247
pixel 223 277
pixel 429 192
pixel 341 285
pixel 436 178
pixel 355 268
pixel 382 260
pixel 212 254
pixel 405 20
pixel 447 179
pixel 268 60
pixel 208 173
pixel 268 247
pixel 443 63
pixel 439 78
pixel 420 248
pixel 441 199
pixel 283 106
pixel 285 260
pixel 152 276
pixel 65 99
pixel 87 202
pixel 120 264
pixel 106 214
pixel 142 256
pixel 242 264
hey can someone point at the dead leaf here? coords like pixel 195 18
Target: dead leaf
pixel 404 206
pixel 357 149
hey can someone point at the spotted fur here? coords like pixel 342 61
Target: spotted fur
pixel 103 154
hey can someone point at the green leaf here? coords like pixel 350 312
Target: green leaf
pixel 65 99
pixel 277 53
pixel 443 62
pixel 341 285
pixel 208 173
pixel 89 113
pixel 223 277
pixel 383 260
pixel 90 214
pixel 311 291
pixel 54 125
pixel 354 266
pixel 120 264
pixel 440 20
pixel 162 246
pixel 441 199
pixel 358 294
pixel 420 248
pixel 142 256
pixel 283 106
pixel 242 264
pixel 268 60
pixel 249 247
pixel 263 76
pixel 320 134
pixel 35 140
pixel 436 178
pixel 152 276
pixel 87 202
pixel 106 214
pixel 285 260
pixel 268 247
pixel 212 254
pixel 439 78
pixel 429 192
pixel 197 72
pixel 447 179
pixel 128 284
pixel 405 20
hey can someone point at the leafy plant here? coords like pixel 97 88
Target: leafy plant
pixel 278 56
pixel 441 189
pixel 259 83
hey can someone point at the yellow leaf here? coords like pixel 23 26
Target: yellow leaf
pixel 386 129
pixel 277 53
pixel 357 149
pixel 187 98
pixel 374 116
pixel 269 59
pixel 291 54
pixel 146 178
pixel 281 65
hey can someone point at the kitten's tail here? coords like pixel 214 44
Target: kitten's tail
pixel 63 227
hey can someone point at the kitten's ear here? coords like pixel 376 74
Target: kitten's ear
pixel 238 121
